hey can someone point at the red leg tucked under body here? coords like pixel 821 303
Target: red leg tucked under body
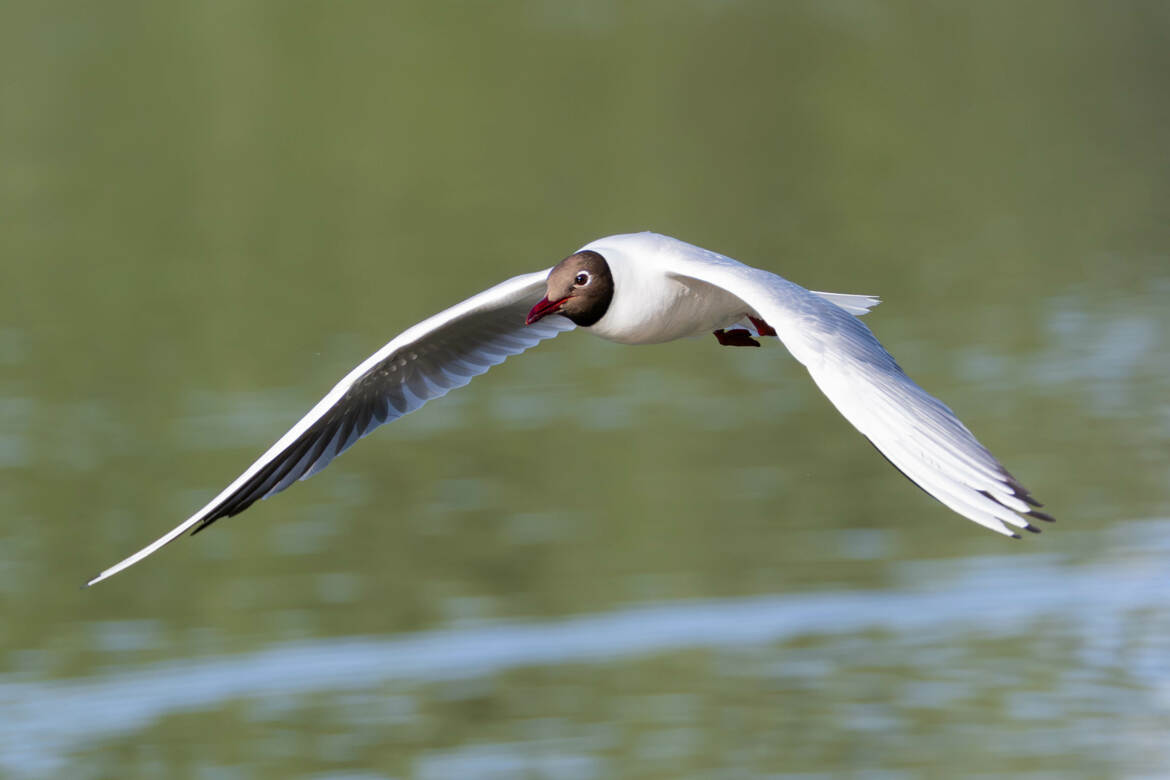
pixel 735 338
pixel 739 337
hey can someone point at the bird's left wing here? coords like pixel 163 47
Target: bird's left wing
pixel 915 431
pixel 424 362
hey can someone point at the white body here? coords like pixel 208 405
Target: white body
pixel 649 305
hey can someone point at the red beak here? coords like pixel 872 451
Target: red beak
pixel 543 308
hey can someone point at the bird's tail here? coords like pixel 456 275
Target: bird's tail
pixel 854 304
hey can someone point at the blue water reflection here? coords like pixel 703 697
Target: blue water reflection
pixel 1115 610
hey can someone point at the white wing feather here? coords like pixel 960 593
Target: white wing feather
pixel 915 431
pixel 423 363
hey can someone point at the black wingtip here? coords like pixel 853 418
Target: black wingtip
pixel 208 521
pixel 1018 490
pixel 1041 516
pixel 1025 496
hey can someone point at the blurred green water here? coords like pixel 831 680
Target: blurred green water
pixel 209 213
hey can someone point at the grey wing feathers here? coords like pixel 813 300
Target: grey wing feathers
pixel 422 363
pixel 923 438
pixel 915 431
pixel 402 381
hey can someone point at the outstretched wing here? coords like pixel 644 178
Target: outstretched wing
pixel 423 363
pixel 915 431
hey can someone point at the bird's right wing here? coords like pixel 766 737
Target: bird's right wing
pixel 424 362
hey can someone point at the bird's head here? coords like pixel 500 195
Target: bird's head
pixel 580 287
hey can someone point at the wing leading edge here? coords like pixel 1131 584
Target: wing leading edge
pixel 421 364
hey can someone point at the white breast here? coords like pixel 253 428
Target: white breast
pixel 650 305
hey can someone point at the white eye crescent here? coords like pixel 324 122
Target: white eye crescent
pixel 582 279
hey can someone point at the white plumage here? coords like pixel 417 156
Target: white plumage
pixel 663 289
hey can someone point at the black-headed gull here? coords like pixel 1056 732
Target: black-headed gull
pixel 645 288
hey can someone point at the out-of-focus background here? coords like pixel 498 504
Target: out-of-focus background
pixel 596 561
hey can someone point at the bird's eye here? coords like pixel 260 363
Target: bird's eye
pixel 583 279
